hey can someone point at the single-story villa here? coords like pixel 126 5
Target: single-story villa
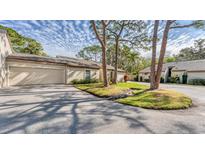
pixel 28 69
pixel 185 71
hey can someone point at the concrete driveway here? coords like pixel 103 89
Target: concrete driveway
pixel 65 109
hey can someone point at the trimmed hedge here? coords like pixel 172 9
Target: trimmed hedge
pixel 84 81
pixel 197 82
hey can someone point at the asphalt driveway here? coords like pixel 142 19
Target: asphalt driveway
pixel 65 109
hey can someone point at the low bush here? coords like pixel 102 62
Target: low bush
pixel 146 80
pixel 136 78
pixel 84 81
pixel 161 80
pixel 197 82
pixel 174 79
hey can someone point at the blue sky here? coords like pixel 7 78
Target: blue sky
pixel 67 37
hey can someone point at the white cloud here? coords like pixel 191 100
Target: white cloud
pixel 68 37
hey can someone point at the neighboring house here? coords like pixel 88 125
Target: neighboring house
pixel 185 70
pixel 5 50
pixel 27 69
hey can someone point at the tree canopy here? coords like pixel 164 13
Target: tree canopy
pixel 128 59
pixel 23 44
pixel 90 53
pixel 195 52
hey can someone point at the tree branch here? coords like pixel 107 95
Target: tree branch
pixel 112 32
pixel 182 26
pixel 96 32
pixel 105 22
pixel 122 27
pixel 115 33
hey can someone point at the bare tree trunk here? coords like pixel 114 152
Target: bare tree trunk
pixel 116 60
pixel 103 42
pixel 154 48
pixel 104 67
pixel 104 63
pixel 162 53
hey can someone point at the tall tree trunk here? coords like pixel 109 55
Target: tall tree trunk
pixel 104 67
pixel 162 53
pixel 103 42
pixel 154 48
pixel 116 60
pixel 104 62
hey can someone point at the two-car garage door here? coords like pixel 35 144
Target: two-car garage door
pixel 32 75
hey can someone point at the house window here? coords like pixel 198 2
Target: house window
pixel 87 74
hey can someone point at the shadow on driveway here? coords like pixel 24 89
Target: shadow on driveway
pixel 63 109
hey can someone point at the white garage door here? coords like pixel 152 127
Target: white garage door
pixel 29 76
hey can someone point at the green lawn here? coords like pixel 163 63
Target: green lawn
pixel 112 90
pixel 142 96
pixel 158 99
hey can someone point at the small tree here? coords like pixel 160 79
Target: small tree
pixel 128 32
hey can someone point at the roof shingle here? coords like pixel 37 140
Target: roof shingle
pixel 74 62
pixel 195 65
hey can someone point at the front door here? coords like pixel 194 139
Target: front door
pixel 87 75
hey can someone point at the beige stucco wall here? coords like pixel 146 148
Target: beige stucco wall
pixel 79 73
pixel 144 76
pixel 110 75
pixel 191 75
pixel 120 76
pixel 28 73
pixel 196 75
pixel 178 73
pixel 131 77
pixel 147 76
pixel 109 72
pixel 22 72
pixel 5 50
pixel 42 73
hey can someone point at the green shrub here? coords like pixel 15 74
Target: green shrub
pixel 84 81
pixel 197 82
pixel 136 78
pixel 146 80
pixel 161 80
pixel 174 79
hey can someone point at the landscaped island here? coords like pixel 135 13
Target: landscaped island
pixel 139 95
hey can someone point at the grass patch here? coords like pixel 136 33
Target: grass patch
pixel 158 99
pixel 112 90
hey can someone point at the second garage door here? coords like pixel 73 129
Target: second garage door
pixel 30 76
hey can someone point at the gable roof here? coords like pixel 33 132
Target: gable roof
pixel 194 65
pixel 147 69
pixel 79 61
pixel 88 62
pixel 73 62
pixel 31 57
